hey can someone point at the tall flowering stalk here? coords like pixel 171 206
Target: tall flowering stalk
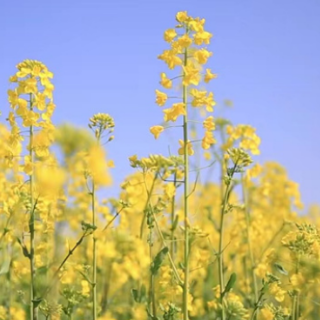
pixel 99 123
pixel 187 53
pixel 32 101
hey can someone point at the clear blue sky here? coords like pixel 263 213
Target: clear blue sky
pixel 104 58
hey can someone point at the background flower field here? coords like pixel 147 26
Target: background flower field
pixel 202 230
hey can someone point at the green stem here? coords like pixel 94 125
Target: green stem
pixel 220 254
pixel 254 277
pixel 225 197
pixel 94 248
pixel 9 287
pixel 172 245
pixel 149 194
pixel 174 268
pixel 33 306
pixel 56 273
pixel 152 296
pixel 297 295
pixel 254 313
pixel 294 304
pixel 186 191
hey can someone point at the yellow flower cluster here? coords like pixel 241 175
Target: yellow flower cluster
pixel 187 53
pixel 247 137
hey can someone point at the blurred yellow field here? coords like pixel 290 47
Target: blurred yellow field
pixel 172 245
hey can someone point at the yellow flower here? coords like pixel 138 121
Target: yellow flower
pixel 39 101
pixel 208 124
pixel 28 166
pixel 184 41
pixel 85 288
pixel 277 292
pixel 266 314
pixel 30 85
pixel 36 70
pixel 174 112
pixel 17 313
pixel 169 35
pixel 156 130
pixel 171 58
pixel 11 118
pixel 253 172
pixel 169 190
pixel 13 78
pixel 30 118
pixel 46 116
pixel 190 75
pixel 3 313
pixel 261 270
pixel 298 281
pixel 98 167
pixel 165 82
pixel 213 304
pixel 197 25
pixel 161 98
pixel 133 160
pixel 49 177
pixel 209 76
pixel 22 107
pixel 202 37
pixel 208 140
pixel 23 72
pixel 182 16
pixel 202 55
pixel 201 99
pixel 190 151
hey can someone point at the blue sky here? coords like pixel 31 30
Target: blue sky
pixel 104 58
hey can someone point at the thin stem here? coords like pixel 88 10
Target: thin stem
pixel 33 306
pixel 174 268
pixel 55 275
pixel 172 245
pixel 220 255
pixel 113 218
pixel 296 297
pixel 94 248
pixel 152 296
pixel 221 230
pixel 254 277
pixel 294 304
pixel 186 193
pixel 147 203
pixel 255 310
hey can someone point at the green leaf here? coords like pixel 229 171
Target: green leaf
pixel 135 295
pixel 281 269
pixel 175 223
pixel 230 283
pixel 143 293
pixel 36 302
pixel 24 248
pixel 157 262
